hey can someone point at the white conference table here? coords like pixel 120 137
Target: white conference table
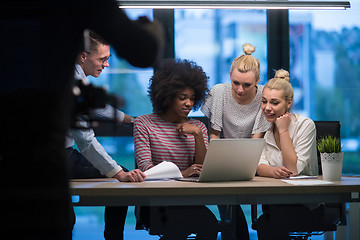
pixel 260 190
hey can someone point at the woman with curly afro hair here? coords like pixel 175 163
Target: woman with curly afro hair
pixel 175 75
pixel 167 134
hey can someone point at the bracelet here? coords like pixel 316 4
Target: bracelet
pixel 283 132
pixel 132 120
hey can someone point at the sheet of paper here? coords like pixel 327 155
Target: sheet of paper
pixel 160 180
pixel 162 171
pixel 302 177
pixel 307 182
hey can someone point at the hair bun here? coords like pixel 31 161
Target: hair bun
pixel 248 49
pixel 283 74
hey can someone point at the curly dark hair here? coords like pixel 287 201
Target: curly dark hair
pixel 173 76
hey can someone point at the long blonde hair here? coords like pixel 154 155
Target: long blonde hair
pixel 281 81
pixel 246 62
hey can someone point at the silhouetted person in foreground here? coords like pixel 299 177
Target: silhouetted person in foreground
pixel 40 41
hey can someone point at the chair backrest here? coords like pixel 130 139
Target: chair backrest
pixel 325 128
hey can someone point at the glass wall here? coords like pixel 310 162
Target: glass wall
pixel 325 71
pixel 324 66
pixel 213 38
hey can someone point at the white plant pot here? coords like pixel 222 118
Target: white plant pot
pixel 331 164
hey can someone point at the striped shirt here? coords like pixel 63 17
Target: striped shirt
pixel 157 140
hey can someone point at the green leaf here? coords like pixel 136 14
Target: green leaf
pixel 329 144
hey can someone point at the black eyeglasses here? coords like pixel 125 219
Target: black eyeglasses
pixel 102 60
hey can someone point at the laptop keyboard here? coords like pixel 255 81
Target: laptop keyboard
pixel 189 179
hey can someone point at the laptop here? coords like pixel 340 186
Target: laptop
pixel 230 160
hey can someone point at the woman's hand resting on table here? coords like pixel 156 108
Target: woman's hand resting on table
pixel 191 171
pixel 281 172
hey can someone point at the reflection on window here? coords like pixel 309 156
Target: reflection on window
pixel 325 70
pixel 213 38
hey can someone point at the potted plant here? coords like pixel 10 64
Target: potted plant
pixel 331 157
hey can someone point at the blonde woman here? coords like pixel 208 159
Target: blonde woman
pixel 290 150
pixel 233 110
pixel 290 147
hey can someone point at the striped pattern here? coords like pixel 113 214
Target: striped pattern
pixel 156 140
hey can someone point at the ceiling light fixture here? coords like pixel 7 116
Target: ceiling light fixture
pixel 235 4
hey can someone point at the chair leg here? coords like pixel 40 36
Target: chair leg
pixel 241 227
pixel 253 216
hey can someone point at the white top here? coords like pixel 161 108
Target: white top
pixel 86 142
pixel 303 136
pixel 233 119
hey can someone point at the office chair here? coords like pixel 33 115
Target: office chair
pixel 142 215
pixel 335 213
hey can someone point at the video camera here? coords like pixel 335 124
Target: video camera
pixel 86 99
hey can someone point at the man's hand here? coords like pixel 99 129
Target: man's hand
pixel 132 176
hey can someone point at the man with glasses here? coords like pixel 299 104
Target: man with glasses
pixel 92 161
pixel 92 62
